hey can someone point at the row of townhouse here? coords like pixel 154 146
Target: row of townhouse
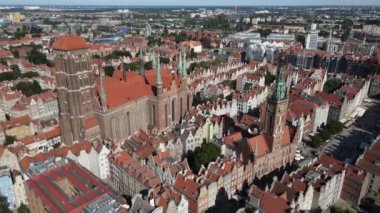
pixel 200 79
pixel 308 112
pixel 345 102
pixel 332 62
pixel 23 164
pixel 38 106
pixel 251 99
pixel 223 177
pixel 318 185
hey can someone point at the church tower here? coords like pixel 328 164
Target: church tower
pixel 76 88
pixel 277 109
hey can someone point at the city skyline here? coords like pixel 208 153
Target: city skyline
pixel 199 2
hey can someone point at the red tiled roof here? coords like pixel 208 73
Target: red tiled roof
pixel 5 53
pixel 90 122
pixel 68 42
pixel 44 187
pixel 25 120
pixel 140 85
pixel 231 139
pixel 262 142
pixel 333 99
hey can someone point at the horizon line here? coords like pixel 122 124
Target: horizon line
pixel 188 5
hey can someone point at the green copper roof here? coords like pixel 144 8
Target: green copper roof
pixel 280 89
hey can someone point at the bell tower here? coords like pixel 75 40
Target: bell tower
pixel 277 109
pixel 75 87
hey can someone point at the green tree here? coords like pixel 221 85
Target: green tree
pixel 332 84
pixel 164 60
pixel 9 140
pixel 264 32
pixel 203 155
pixel 315 141
pixel 109 70
pixel 23 209
pixel 323 33
pixel 269 78
pixel 9 76
pixel 247 86
pixel 301 38
pixel 148 65
pixel 116 54
pixel 325 134
pixel 192 54
pixel 29 75
pixel 37 57
pixel 334 126
pixel 179 38
pixel 28 88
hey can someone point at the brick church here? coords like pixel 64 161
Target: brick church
pixel 118 106
pixel 276 146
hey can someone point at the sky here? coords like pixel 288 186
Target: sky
pixel 194 2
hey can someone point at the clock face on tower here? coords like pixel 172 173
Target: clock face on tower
pixel 282 108
pixel 270 107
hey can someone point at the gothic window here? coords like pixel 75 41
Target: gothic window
pixel 113 128
pixel 166 115
pixel 135 121
pixel 188 102
pixel 173 110
pixel 181 107
pixel 122 129
pixel 153 115
pixel 128 120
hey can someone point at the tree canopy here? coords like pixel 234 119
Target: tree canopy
pixel 28 88
pixel 37 57
pixel 202 155
pixel 117 54
pixel 332 84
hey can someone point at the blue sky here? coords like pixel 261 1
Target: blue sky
pixel 197 2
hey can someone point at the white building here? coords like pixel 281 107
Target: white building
pixel 312 41
pixel 93 159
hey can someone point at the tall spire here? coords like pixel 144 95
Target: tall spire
pixel 102 93
pixel 280 89
pixel 184 72
pixel 159 78
pixel 123 69
pixel 142 69
pixel 179 66
pixel 153 58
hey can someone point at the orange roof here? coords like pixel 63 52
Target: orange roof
pixel 68 42
pixel 91 122
pixel 117 89
pixel 261 142
pixel 25 120
pixel 5 53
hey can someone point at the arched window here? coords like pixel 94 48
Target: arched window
pixel 135 121
pixel 128 120
pixel 113 128
pixel 181 107
pixel 188 102
pixel 122 128
pixel 153 115
pixel 166 115
pixel 173 109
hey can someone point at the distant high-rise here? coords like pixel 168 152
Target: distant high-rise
pixel 76 90
pixel 312 41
